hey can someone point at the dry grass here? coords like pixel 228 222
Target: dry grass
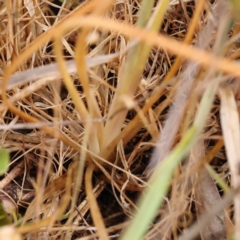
pixel 82 135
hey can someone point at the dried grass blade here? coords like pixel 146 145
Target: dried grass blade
pixel 187 40
pixel 80 107
pixel 51 70
pixel 94 111
pixel 231 134
pixel 169 44
pixel 95 212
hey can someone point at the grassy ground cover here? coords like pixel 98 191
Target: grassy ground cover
pixel 121 119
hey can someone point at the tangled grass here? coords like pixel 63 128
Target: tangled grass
pixel 104 102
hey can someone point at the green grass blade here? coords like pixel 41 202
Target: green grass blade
pixel 131 73
pixel 220 182
pixel 4 160
pixel 159 183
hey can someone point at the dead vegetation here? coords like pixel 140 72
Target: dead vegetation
pixel 86 131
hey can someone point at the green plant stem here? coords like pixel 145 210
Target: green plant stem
pixel 131 72
pixel 159 183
